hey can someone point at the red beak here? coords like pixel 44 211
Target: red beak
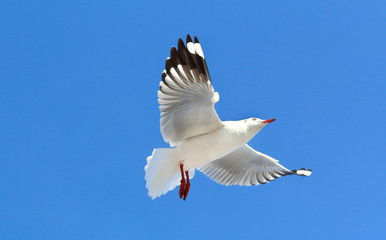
pixel 269 120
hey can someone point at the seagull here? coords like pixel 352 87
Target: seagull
pixel 198 138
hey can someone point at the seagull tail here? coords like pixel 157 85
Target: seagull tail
pixel 162 172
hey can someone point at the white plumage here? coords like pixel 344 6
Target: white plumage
pixel 190 123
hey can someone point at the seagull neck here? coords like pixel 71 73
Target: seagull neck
pixel 253 130
pixel 241 129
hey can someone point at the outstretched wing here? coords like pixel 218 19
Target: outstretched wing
pixel 246 167
pixel 186 95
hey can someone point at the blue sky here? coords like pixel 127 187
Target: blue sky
pixel 78 84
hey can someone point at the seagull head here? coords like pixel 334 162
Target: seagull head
pixel 257 123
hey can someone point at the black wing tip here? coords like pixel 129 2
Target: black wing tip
pixel 173 48
pixel 180 42
pixel 174 56
pixel 173 52
pixel 301 173
pixel 188 39
pixel 168 64
pixel 193 61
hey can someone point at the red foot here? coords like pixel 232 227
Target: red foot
pixel 184 187
pixel 187 186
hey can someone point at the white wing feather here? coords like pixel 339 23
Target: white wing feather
pixel 246 166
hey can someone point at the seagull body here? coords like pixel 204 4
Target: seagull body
pixel 203 149
pixel 199 139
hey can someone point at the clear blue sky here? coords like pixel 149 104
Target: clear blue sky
pixel 79 116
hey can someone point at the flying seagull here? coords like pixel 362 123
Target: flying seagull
pixel 198 138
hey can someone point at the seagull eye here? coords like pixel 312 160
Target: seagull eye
pixel 254 119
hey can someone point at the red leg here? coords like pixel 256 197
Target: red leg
pixel 186 192
pixel 182 186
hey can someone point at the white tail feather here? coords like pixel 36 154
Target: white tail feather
pixel 162 172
